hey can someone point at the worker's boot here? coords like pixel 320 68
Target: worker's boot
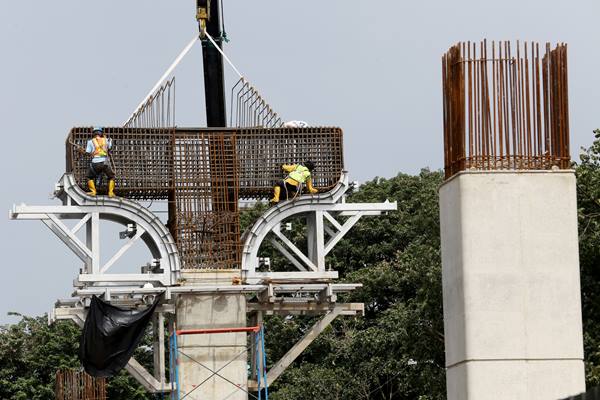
pixel 276 194
pixel 111 188
pixel 91 187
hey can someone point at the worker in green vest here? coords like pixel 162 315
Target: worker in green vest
pixel 298 176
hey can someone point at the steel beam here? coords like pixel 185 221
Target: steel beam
pixel 305 308
pixel 297 349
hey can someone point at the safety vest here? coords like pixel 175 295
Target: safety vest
pixel 300 174
pixel 100 147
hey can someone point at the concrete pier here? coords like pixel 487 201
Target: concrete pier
pixel 215 351
pixel 512 307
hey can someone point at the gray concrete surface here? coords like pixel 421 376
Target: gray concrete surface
pixel 512 306
pixel 213 351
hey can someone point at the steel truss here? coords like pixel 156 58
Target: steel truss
pixel 138 221
pixel 322 214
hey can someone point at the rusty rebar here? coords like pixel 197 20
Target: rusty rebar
pixel 158 111
pixel 78 385
pixel 203 173
pixel 500 111
pixel 249 109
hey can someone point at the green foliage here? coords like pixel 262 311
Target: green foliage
pixel 249 215
pixel 31 351
pixel 396 351
pixel 588 202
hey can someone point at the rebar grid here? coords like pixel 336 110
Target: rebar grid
pixel 206 200
pixel 250 109
pixel 203 173
pixel 506 110
pixel 142 160
pixel 158 111
pixel 261 152
pixel 78 385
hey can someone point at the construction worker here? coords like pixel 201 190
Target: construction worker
pixel 98 147
pixel 298 175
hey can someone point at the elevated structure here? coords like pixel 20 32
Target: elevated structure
pixel 512 308
pixel 210 279
pixel 209 275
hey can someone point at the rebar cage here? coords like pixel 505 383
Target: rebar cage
pixel 78 385
pixel 203 173
pixel 507 109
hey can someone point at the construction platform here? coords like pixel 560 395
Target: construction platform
pixel 207 274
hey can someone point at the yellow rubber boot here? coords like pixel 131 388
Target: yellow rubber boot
pixel 91 187
pixel 111 188
pixel 276 194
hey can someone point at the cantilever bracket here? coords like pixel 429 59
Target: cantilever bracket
pixel 89 212
pixel 297 349
pixel 327 295
pixel 323 232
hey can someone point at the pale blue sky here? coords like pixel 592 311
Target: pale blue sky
pixel 370 67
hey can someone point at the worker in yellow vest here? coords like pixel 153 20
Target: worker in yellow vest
pixel 298 176
pixel 98 147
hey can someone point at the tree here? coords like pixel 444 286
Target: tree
pixel 397 350
pixel 588 203
pixel 31 351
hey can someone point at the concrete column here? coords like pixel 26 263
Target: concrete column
pixel 510 267
pixel 215 351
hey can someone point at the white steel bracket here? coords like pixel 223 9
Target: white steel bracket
pixel 324 231
pixel 89 211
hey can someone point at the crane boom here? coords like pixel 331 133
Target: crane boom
pixel 209 18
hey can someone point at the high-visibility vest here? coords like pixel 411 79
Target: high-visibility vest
pixel 300 174
pixel 100 147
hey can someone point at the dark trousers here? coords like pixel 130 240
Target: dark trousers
pixel 97 169
pixel 287 191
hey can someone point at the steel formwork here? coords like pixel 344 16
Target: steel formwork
pixel 506 109
pixel 203 173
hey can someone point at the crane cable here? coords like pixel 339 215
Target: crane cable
pixel 174 64
pixel 223 54
pixel 168 72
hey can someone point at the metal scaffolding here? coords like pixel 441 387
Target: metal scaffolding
pixel 256 348
pixel 505 109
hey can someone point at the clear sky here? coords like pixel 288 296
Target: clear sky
pixel 370 67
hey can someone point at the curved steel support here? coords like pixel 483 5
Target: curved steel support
pixel 320 211
pixel 140 223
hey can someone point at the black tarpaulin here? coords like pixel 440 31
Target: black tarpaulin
pixel 110 336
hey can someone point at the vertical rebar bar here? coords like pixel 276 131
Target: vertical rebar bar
pixel 516 111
